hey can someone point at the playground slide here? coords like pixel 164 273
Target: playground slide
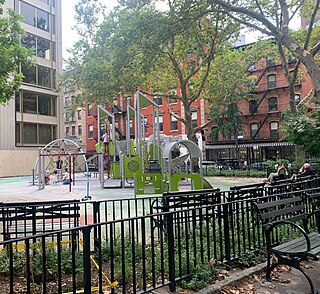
pixel 206 184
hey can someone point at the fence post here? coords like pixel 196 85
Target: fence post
pixel 86 260
pixel 171 263
pixel 96 214
pixel 227 214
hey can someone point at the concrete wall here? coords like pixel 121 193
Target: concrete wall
pixel 17 162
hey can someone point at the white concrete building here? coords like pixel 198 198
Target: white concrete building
pixel 34 117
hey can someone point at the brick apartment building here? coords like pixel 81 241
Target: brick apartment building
pixel 260 139
pixel 261 117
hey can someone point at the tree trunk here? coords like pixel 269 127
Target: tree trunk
pixel 307 60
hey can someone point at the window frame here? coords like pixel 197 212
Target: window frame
pixel 271 84
pixel 273 104
pixel 253 133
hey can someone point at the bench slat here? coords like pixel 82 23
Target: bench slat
pixel 298 247
pixel 298 210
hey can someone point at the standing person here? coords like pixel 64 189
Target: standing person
pixel 59 163
pixel 55 177
pixel 106 140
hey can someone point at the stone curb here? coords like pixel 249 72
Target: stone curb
pixel 234 278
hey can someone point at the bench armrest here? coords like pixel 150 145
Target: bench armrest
pixel 270 226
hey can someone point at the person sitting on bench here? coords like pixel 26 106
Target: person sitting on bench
pixel 280 174
pixel 304 171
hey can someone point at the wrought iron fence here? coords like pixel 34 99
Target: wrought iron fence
pixel 138 245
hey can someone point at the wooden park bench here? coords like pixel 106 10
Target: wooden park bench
pixel 31 218
pixel 281 214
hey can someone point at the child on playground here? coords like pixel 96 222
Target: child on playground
pixel 47 178
pixel 55 177
pixel 66 180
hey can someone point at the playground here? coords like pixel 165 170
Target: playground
pixel 19 189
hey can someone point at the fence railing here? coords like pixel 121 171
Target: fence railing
pixel 140 244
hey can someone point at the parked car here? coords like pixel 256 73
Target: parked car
pixel 92 167
pixel 259 165
pixel 228 164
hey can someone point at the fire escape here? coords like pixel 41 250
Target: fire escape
pixel 270 86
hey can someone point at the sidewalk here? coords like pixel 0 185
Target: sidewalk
pixel 284 281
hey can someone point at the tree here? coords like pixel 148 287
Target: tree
pixel 273 18
pixel 12 54
pixel 229 84
pixel 303 129
pixel 139 46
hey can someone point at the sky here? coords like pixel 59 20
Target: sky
pixel 68 35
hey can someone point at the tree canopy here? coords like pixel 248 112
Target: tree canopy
pixel 139 46
pixel 12 54
pixel 273 19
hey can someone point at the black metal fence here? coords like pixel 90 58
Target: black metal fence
pixel 136 245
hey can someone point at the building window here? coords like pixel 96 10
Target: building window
pixel 79 114
pixel 29 13
pixel 79 130
pixel 29 103
pixel 35 134
pixel 18 131
pixel 194 119
pixel 67 131
pixel 254 130
pixel 39 104
pixel 253 106
pixel 41 47
pixel 271 81
pixel 173 123
pixel 66 101
pixel 270 62
pixel 160 123
pixel 44 105
pixel 29 41
pixel 44 134
pixel 30 75
pixel 39 75
pixel 90 131
pixel 273 104
pixel 297 98
pixel 18 102
pixel 240 135
pixel 89 110
pixel 274 129
pixel 73 131
pixel 252 67
pixel 30 133
pixel 44 79
pixel 157 100
pixel 35 17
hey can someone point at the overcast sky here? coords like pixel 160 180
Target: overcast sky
pixel 68 35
